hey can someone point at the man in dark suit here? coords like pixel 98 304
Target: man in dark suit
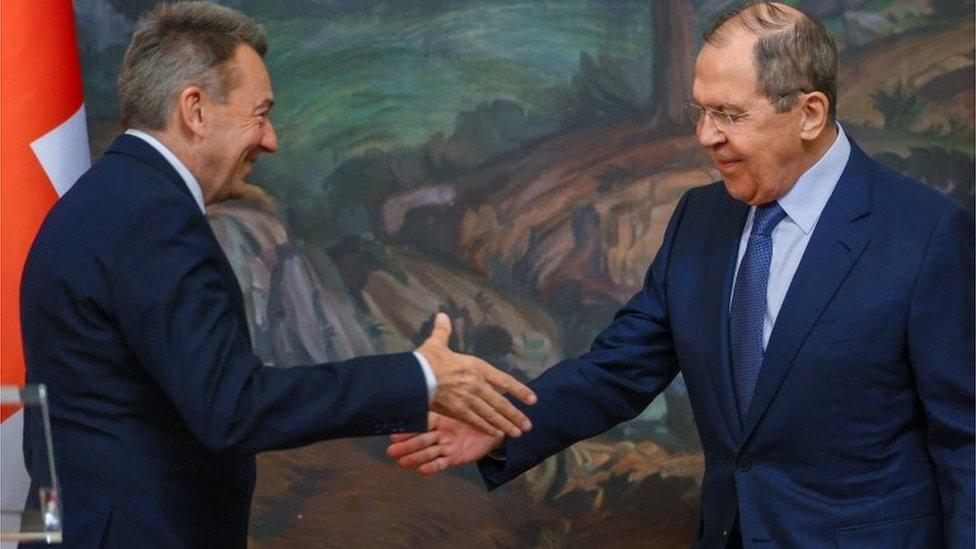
pixel 133 318
pixel 818 305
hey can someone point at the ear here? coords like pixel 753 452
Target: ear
pixel 192 102
pixel 815 109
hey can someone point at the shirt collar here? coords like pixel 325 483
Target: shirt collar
pixel 188 179
pixel 806 200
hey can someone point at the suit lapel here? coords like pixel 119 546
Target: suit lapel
pixel 834 248
pixel 720 267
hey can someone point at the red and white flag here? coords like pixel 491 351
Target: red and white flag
pixel 43 151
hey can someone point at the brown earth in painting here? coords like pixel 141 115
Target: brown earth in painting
pixel 595 463
pixel 339 493
pixel 585 206
pixel 938 65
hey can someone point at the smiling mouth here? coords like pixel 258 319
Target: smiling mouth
pixel 724 164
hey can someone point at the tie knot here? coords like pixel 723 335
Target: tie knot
pixel 767 217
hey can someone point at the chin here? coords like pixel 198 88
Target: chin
pixel 740 190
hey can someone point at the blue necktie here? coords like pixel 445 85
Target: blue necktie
pixel 749 305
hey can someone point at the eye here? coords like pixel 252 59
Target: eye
pixel 734 117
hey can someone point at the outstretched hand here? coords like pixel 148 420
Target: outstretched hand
pixel 448 443
pixel 470 389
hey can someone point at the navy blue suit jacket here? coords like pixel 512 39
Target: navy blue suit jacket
pixel 860 432
pixel 133 318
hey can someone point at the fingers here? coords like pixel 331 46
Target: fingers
pixel 400 437
pixel 489 413
pixel 441 332
pixel 416 459
pixel 434 420
pixel 472 418
pixel 412 445
pixel 504 415
pixel 434 467
pixel 507 383
pixel 470 393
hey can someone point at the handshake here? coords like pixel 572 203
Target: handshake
pixel 469 417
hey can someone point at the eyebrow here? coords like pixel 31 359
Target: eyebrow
pixel 722 107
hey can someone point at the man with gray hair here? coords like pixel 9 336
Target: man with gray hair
pixel 134 320
pixel 818 305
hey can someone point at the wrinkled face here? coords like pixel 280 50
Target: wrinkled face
pixel 759 156
pixel 238 129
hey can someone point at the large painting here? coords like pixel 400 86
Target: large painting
pixel 513 163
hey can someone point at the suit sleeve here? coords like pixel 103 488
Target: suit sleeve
pixel 629 363
pixel 941 341
pixel 180 311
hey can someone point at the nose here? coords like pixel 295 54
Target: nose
pixel 269 140
pixel 708 133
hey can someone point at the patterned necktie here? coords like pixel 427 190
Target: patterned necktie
pixel 749 304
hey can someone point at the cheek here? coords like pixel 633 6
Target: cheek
pixel 751 155
pixel 760 163
pixel 253 141
pixel 762 157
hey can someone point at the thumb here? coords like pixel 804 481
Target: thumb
pixel 441 332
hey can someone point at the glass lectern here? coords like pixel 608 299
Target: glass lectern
pixel 39 519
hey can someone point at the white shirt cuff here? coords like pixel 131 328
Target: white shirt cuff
pixel 428 376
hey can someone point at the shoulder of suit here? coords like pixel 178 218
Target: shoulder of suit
pixel 119 202
pixel 909 196
pixel 119 186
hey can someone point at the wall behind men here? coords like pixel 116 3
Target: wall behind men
pixel 513 163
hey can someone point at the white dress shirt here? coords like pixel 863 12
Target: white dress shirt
pixel 194 187
pixel 803 205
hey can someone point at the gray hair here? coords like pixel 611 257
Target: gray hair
pixel 179 45
pixel 794 52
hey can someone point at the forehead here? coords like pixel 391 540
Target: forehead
pixel 251 74
pixel 725 73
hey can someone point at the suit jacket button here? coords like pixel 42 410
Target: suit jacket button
pixel 743 463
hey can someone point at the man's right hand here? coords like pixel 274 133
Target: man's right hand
pixel 470 389
pixel 448 443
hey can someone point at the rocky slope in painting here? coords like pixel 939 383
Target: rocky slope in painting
pixel 306 306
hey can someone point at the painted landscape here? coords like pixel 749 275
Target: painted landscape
pixel 513 163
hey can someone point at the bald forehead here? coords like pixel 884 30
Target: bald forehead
pixel 736 52
pixel 725 73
